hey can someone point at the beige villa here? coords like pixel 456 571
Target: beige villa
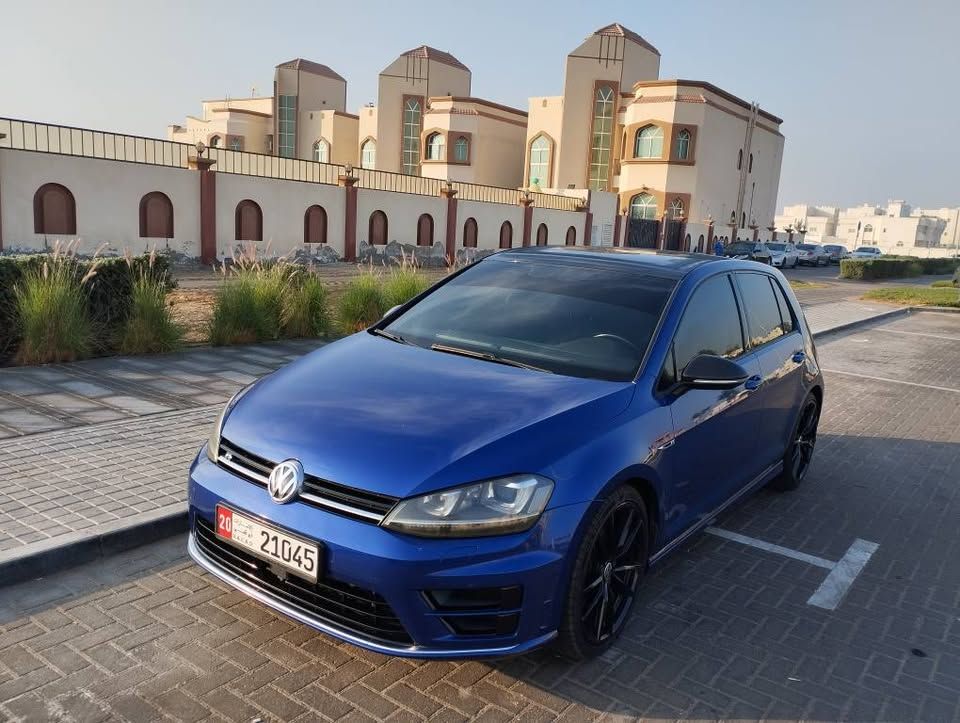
pixel 680 149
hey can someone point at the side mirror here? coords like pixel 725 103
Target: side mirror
pixel 390 311
pixel 707 371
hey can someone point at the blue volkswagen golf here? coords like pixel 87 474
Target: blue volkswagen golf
pixel 496 464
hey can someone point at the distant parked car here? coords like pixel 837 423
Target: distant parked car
pixel 783 255
pixel 813 255
pixel 748 250
pixel 867 252
pixel 837 253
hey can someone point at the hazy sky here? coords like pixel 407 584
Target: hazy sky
pixel 868 89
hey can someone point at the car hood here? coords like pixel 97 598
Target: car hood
pixel 401 420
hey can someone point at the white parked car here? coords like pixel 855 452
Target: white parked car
pixel 783 255
pixel 867 252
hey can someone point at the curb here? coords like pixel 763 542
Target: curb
pixel 885 316
pixel 68 551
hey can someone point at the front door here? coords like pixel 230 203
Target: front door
pixel 713 451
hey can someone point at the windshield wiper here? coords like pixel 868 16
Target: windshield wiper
pixel 391 336
pixel 487 356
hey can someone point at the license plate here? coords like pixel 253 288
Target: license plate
pixel 269 543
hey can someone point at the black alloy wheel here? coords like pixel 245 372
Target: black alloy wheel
pixel 796 461
pixel 609 567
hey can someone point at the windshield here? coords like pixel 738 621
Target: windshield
pixel 777 247
pixel 831 248
pixel 588 320
pixel 740 248
pixel 807 247
pixel 867 249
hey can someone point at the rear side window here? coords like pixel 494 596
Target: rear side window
pixel 786 317
pixel 710 324
pixel 764 323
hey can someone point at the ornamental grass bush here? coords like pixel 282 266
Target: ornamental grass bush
pixel 403 284
pixel 149 327
pixel 51 307
pixel 304 309
pixel 362 303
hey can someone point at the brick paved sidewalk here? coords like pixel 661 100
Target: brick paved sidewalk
pixel 62 396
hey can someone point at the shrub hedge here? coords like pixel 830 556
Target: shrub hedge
pixel 108 294
pixel 893 267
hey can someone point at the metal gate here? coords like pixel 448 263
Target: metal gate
pixel 673 237
pixel 643 233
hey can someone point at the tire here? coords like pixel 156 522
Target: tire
pixel 800 447
pixel 594 567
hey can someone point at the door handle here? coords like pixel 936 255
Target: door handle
pixel 753 383
pixel 799 357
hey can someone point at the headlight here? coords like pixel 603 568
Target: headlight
pixel 495 507
pixel 213 441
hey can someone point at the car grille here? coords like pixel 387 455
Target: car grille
pixel 341 605
pixel 367 506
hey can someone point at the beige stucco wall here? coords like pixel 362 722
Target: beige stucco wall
pixel 402 210
pixel 366 128
pixel 557 224
pixel 283 204
pixel 489 218
pixel 545 115
pixel 107 196
pixel 496 143
pixel 410 76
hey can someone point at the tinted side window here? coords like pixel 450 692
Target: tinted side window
pixel 710 324
pixel 763 312
pixel 786 316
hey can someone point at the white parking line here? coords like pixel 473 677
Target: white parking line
pixel 842 573
pixel 770 547
pixel 892 381
pixel 833 589
pixel 917 333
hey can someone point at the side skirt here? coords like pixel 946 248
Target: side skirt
pixel 760 480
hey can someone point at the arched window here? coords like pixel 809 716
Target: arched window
pixel 868 228
pixel 378 228
pixel 249 221
pixel 643 205
pixel 214 142
pixel 236 143
pixel 540 161
pixel 506 235
pixel 571 239
pixel 743 219
pixel 435 144
pixel 648 143
pixel 676 208
pixel 740 159
pixel 750 167
pixel 321 151
pixel 461 150
pixel 368 154
pixel 683 145
pixel 601 135
pixel 542 234
pixel 412 114
pixel 700 243
pixel 470 233
pixel 156 216
pixel 425 230
pixel 54 210
pixel 315 225
pixel 686 243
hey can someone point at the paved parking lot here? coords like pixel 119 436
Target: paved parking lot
pixel 723 628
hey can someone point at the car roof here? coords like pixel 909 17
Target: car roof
pixel 664 263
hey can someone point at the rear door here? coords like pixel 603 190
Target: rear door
pixel 713 450
pixel 774 338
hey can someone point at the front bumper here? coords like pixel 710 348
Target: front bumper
pixel 398 569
